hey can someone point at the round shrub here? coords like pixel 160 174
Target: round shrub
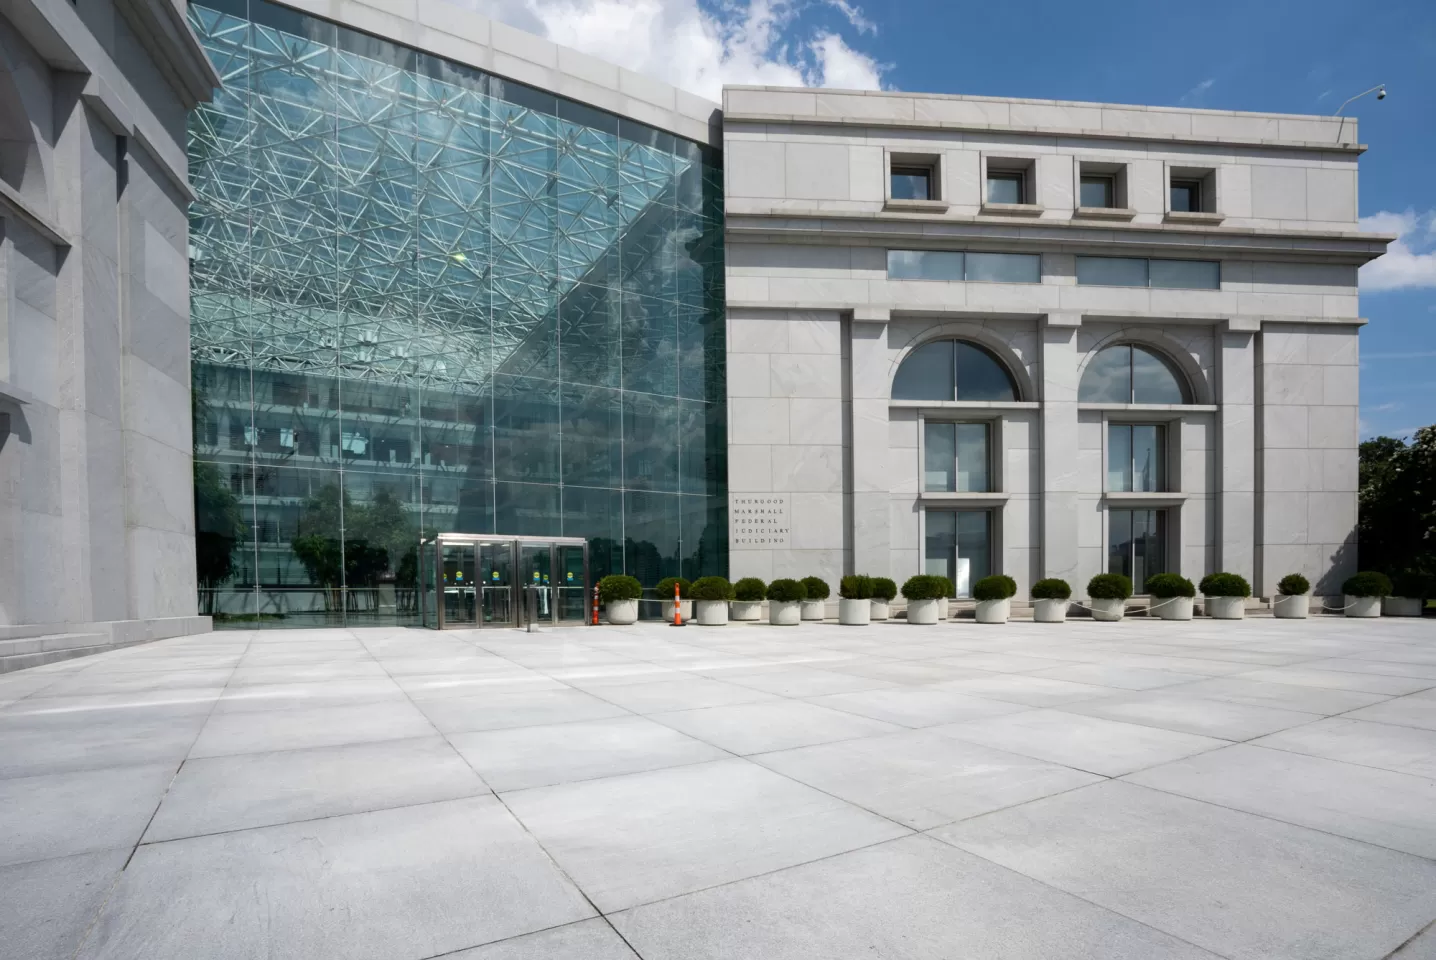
pixel 711 588
pixel 817 588
pixel 749 588
pixel 1165 586
pixel 1109 586
pixel 1225 585
pixel 1051 589
pixel 855 587
pixel 665 588
pixel 884 588
pixel 924 587
pixel 1367 584
pixel 786 591
pixel 948 588
pixel 616 586
pixel 995 587
pixel 1414 585
pixel 1293 585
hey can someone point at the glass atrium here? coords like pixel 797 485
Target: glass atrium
pixel 426 299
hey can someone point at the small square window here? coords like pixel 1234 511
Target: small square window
pixel 912 183
pixel 1006 188
pixel 1186 196
pixel 1098 191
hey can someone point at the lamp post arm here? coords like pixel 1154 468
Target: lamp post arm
pixel 1357 97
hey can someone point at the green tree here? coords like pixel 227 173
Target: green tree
pixel 378 537
pixel 1396 529
pixel 218 524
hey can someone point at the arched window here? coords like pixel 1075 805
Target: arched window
pixel 1127 373
pixel 953 370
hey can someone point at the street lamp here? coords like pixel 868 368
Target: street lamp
pixel 1379 90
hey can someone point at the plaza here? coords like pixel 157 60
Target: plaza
pixel 1253 789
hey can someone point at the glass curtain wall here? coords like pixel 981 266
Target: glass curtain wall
pixel 426 299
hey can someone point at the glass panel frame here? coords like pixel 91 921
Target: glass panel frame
pixel 958 544
pixel 1137 544
pixel 1004 187
pixel 911 182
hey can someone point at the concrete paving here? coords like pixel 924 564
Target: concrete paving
pixel 1259 789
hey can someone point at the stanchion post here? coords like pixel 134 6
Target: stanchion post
pixel 595 604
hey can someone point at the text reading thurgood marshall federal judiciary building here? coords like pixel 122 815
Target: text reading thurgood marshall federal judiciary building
pixel 758 520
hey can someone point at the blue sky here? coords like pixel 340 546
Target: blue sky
pixel 1287 57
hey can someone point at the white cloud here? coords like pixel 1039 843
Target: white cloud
pixel 1195 94
pixel 1406 263
pixel 743 42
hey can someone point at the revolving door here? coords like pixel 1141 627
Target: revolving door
pixel 470 581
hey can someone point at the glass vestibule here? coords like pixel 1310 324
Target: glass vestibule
pixel 472 580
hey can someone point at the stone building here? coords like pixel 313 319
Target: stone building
pixel 96 517
pixel 973 335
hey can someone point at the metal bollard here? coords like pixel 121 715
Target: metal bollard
pixel 531 608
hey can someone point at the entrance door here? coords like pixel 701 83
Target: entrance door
pixel 496 584
pixel 572 586
pixel 459 584
pixel 536 571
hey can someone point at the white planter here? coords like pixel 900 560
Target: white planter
pixel 622 612
pixel 1108 610
pixel 854 613
pixel 942 609
pixel 814 609
pixel 1049 611
pixel 922 612
pixel 712 613
pixel 1402 606
pixel 1175 608
pixel 993 611
pixel 785 613
pixel 882 609
pixel 687 610
pixel 1363 606
pixel 746 609
pixel 1295 607
pixel 1226 608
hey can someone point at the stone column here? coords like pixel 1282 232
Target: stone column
pixel 871 533
pixel 1058 450
pixel 1236 448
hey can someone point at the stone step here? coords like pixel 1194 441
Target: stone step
pixel 20 661
pixel 54 641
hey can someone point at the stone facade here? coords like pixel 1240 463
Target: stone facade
pixel 96 512
pixel 1260 459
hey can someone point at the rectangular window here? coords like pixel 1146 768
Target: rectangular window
pixel 911 183
pixel 956 458
pixel 1004 267
pixel 924 265
pixel 1005 188
pixel 1098 191
pixel 1138 272
pixel 958 545
pixel 1137 544
pixel 1186 274
pixel 975 267
pixel 1136 457
pixel 1112 271
pixel 1186 196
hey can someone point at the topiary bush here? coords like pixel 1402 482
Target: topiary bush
pixel 924 587
pixel 948 588
pixel 995 587
pixel 1051 589
pixel 711 588
pixel 1109 586
pixel 1165 586
pixel 665 588
pixel 856 587
pixel 1225 585
pixel 817 588
pixel 786 591
pixel 616 586
pixel 1293 585
pixel 884 588
pixel 750 588
pixel 1414 585
pixel 1367 584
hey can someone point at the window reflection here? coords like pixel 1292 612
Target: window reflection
pixel 953 370
pixel 1126 373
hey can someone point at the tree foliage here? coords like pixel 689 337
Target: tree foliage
pixel 1396 529
pixel 218 524
pixel 380 537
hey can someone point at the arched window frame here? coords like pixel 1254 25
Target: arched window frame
pixel 1189 380
pixel 1017 380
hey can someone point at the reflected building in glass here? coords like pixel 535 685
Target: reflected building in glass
pixel 426 298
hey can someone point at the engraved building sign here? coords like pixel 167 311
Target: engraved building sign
pixel 758 521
